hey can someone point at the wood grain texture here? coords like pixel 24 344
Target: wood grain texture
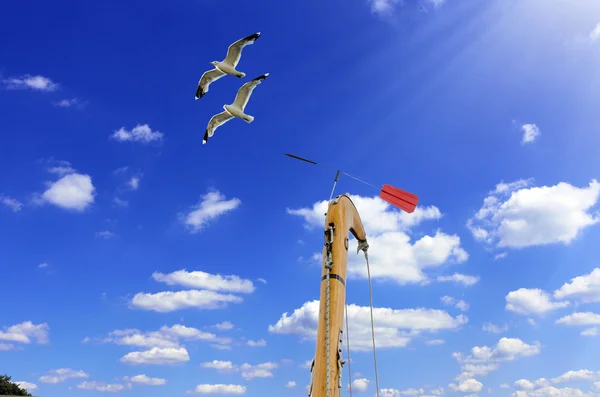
pixel 343 214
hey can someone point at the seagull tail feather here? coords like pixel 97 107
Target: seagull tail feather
pixel 205 139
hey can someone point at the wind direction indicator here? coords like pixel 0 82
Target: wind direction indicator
pixel 399 198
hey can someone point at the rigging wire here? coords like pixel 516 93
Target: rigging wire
pixel 348 345
pixel 372 323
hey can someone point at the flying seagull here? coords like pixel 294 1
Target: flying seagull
pixel 227 66
pixel 236 109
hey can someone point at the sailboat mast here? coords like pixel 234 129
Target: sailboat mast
pixel 341 219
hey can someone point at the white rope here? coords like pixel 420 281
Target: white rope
pixel 372 323
pixel 348 346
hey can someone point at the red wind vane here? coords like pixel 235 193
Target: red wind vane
pixel 399 198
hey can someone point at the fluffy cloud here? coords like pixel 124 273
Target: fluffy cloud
pixel 575 376
pixel 507 349
pixel 551 391
pixel 383 7
pixel 170 301
pixel 37 83
pixel 393 328
pixel 594 331
pixel 62 374
pixel 257 343
pixel 518 216
pixel 166 337
pixel 219 389
pixel 531 301
pixel 69 103
pixel 14 204
pixel 360 385
pixel 146 380
pixel 291 384
pixel 580 318
pixel 210 207
pixel 467 386
pixel 101 386
pixel 224 326
pixel 530 133
pixel 247 371
pixel 25 332
pixel 393 255
pixel 139 133
pixel 27 386
pixel 470 371
pixel 585 288
pixel 459 304
pixel 72 191
pixel 203 280
pixel 105 234
pixel 157 356
pixel 459 279
pixel 496 329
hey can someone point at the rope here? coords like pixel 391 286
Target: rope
pixel 372 323
pixel 348 345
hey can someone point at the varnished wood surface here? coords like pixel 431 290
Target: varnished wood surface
pixel 344 215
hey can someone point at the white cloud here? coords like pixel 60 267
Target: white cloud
pixel 515 216
pixel 168 301
pixel 224 326
pixel 263 370
pixel 62 374
pixel 139 133
pixel 595 33
pixel 585 288
pixel 134 182
pixel 257 343
pixel 157 356
pixel 61 167
pixel 507 349
pixel 291 384
pixel 530 133
pixel 14 204
pixel 37 83
pixel 26 332
pixel 72 102
pixel 435 342
pixel 459 304
pixel 220 365
pixel 551 391
pixel 219 389
pixel 460 279
pixel 496 329
pixel 104 387
pixel 392 254
pixel 393 328
pixel 531 301
pixel 105 234
pixel 575 376
pixel 165 337
pixel 247 371
pixel 210 207
pixel 470 371
pixel 27 386
pixel 43 265
pixel 399 393
pixel 72 191
pixel 467 386
pixel 207 281
pixel 120 203
pixel 437 3
pixel 146 380
pixel 383 7
pixel 580 318
pixel 524 384
pixel 590 332
pixel 360 385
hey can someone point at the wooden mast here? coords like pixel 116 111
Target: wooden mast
pixel 342 218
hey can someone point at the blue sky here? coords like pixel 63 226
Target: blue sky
pixel 156 265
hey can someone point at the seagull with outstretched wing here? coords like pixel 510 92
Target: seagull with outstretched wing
pixel 236 109
pixel 227 66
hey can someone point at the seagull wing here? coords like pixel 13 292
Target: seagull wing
pixel 207 78
pixel 245 91
pixel 234 52
pixel 215 122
